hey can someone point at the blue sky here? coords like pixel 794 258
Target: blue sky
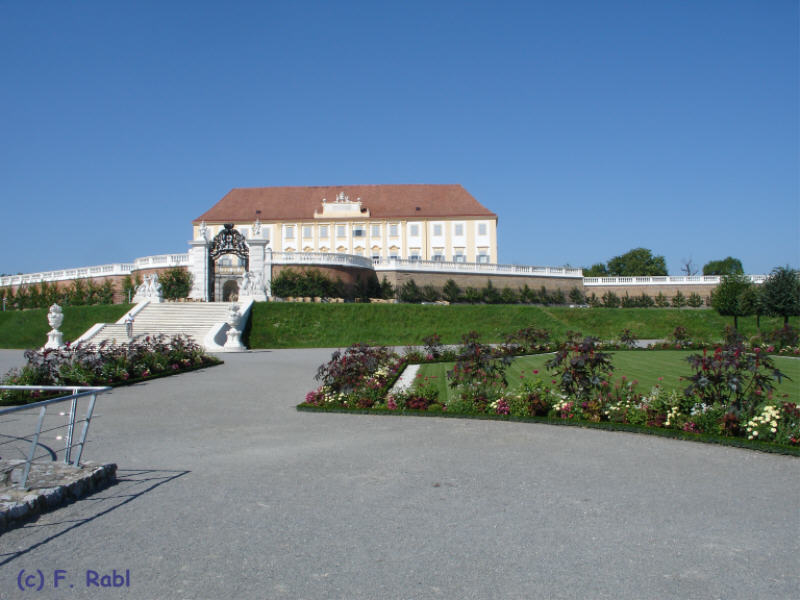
pixel 589 127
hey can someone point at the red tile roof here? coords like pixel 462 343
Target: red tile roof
pixel 382 201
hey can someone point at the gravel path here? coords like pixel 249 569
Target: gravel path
pixel 226 491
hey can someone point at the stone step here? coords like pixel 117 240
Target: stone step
pixel 192 320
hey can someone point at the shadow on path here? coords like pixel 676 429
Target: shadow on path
pixel 130 485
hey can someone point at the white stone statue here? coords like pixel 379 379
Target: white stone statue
pixel 204 231
pixel 55 339
pixel 234 343
pixel 252 287
pixel 257 228
pixel 150 290
pixel 246 289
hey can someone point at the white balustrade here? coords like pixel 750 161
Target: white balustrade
pixel 664 280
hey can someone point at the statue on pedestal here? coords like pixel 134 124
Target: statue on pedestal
pixel 55 338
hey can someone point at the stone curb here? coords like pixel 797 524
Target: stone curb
pixel 14 511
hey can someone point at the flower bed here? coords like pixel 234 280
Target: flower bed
pixel 730 397
pixel 149 358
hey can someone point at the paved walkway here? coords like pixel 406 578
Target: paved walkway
pixel 227 492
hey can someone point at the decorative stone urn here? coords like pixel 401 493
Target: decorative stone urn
pixel 234 343
pixel 55 339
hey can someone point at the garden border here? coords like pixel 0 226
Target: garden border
pixel 705 438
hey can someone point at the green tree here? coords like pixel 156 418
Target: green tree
pixel 576 296
pixel 678 300
pixel 387 289
pixel 726 266
pixel 781 293
pixel 451 291
pixel 175 283
pixel 637 262
pixel 727 299
pixel 410 292
pixel 596 270
pixel 753 302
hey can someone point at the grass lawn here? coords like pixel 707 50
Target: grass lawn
pixel 643 366
pixel 299 325
pixel 27 329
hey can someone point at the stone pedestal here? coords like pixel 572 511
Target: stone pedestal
pixel 234 342
pixel 198 267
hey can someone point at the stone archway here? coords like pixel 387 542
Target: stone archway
pixel 227 241
pixel 230 291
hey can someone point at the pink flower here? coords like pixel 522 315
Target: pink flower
pixel 535 371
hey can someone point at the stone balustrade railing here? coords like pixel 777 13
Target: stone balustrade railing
pixel 444 266
pixel 162 260
pixel 664 280
pixel 321 258
pixel 152 262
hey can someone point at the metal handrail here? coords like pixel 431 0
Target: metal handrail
pixel 77 392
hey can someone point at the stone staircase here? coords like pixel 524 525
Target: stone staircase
pixel 194 319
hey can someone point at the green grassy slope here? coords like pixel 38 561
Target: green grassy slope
pixel 296 325
pixel 28 328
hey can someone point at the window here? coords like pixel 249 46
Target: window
pixel 458 229
pixel 458 255
pixel 438 254
pixel 483 256
pixel 394 255
pixel 376 255
pixel 340 231
pixel 289 232
pixel 393 230
pixel 437 229
pixel 482 229
pixel 376 231
pixel 414 254
pixel 413 230
pixel 359 231
pixel 323 232
pixel 307 231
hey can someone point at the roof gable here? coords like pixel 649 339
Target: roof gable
pixel 423 201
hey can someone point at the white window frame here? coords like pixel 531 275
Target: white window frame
pixel 288 232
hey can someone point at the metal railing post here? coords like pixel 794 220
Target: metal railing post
pixel 70 427
pixel 35 442
pixel 86 422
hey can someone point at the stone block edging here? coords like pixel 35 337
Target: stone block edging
pixel 17 506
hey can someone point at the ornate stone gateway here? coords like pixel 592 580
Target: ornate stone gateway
pixel 227 241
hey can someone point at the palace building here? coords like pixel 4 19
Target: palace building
pixel 416 222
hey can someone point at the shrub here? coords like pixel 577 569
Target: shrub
pixel 576 296
pixel 695 300
pixel 410 292
pixel 472 295
pixel 611 300
pixel 732 377
pixel 86 364
pixel 345 371
pixel 582 370
pixel 176 283
pixel 679 334
pixel 451 292
pixel 491 295
pixel 678 300
pixel 784 336
pixel 479 372
pixel 387 290
pixel 628 338
pixel 508 296
pixel 661 300
pixel 429 293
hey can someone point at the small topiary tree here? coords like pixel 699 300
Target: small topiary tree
pixel 175 283
pixel 451 292
pixel 678 300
